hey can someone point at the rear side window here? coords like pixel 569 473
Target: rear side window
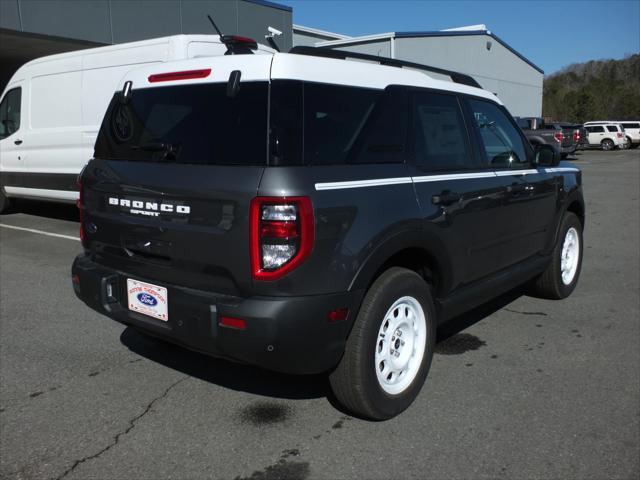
pixel 324 124
pixel 440 139
pixel 612 128
pixel 196 124
pixel 502 142
pixel 10 112
pixel 631 125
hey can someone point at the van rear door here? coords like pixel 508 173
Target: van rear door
pixel 167 196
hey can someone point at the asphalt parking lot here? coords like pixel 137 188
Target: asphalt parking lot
pixel 523 388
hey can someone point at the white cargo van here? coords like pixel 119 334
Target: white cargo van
pixel 52 107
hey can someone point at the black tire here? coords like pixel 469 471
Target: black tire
pixel 355 381
pixel 5 202
pixel 564 155
pixel 607 145
pixel 550 284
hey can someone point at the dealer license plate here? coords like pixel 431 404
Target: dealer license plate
pixel 148 299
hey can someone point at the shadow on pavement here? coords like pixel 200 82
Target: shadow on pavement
pixel 225 373
pixel 252 379
pixel 59 211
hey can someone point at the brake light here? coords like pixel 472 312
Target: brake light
pixel 576 136
pixel 185 75
pixel 281 235
pixel 620 135
pixel 80 205
pixel 559 136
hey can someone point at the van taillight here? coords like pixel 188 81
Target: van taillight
pixel 281 235
pixel 559 136
pixel 80 204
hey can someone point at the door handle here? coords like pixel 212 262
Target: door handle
pixel 516 188
pixel 18 142
pixel 446 198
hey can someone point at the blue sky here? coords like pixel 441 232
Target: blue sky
pixel 552 34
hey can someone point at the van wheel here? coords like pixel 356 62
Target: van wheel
pixel 390 348
pixel 5 202
pixel 561 276
pixel 607 144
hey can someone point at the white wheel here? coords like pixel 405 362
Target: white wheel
pixel 570 256
pixel 400 345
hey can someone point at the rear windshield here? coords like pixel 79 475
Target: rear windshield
pixel 188 124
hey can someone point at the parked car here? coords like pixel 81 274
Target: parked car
pixel 52 107
pixel 605 135
pixel 540 133
pixel 632 132
pixel 579 135
pixel 306 213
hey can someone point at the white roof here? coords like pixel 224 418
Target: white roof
pixel 300 67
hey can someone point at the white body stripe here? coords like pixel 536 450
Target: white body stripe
pixel 453 176
pixel 508 173
pixel 561 169
pixel 379 182
pixel 363 183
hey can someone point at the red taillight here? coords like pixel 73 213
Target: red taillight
pixel 620 135
pixel 281 235
pixel 230 322
pixel 576 136
pixel 80 204
pixel 186 75
pixel 559 136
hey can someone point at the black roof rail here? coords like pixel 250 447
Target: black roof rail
pixel 457 77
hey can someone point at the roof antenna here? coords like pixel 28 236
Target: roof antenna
pixel 273 32
pixel 235 43
pixel 214 25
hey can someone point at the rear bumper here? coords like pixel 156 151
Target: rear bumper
pixel 285 334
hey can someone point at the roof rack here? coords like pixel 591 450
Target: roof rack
pixel 456 77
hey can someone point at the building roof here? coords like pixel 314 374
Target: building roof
pixel 456 32
pixel 318 32
pixel 267 3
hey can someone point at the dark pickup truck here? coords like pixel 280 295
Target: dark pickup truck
pixel 538 132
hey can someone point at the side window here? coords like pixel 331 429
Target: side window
pixel 439 139
pixel 10 113
pixel 334 117
pixel 612 128
pixel 502 143
pixel 597 129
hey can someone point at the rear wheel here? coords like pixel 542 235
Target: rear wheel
pixel 607 144
pixel 389 350
pixel 561 276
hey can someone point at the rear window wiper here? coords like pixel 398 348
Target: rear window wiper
pixel 170 151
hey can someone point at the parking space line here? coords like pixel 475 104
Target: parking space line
pixel 40 232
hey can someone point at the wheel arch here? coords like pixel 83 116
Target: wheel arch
pixel 417 251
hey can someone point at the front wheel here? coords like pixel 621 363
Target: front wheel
pixel 390 348
pixel 5 202
pixel 607 145
pixel 561 276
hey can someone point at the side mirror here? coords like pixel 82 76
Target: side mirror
pixel 546 156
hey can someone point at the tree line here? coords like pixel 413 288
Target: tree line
pixel 595 90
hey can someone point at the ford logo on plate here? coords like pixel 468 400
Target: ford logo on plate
pixel 147 299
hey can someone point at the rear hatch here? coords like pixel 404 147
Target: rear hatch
pixel 167 196
pixel 567 134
